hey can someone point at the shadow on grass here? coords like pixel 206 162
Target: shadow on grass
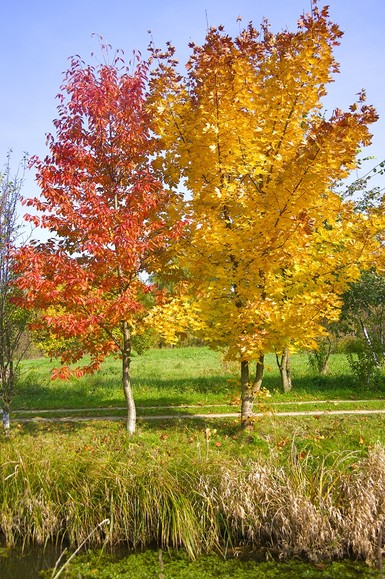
pixel 328 386
pixel 104 389
pixel 174 428
pixel 34 428
pixel 108 392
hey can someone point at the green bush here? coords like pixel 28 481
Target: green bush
pixel 318 359
pixel 143 342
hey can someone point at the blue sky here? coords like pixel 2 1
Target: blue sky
pixel 37 37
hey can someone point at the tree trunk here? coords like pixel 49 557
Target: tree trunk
pixel 7 383
pixel 247 395
pixel 249 391
pixel 126 360
pixel 6 422
pixel 259 374
pixel 285 370
pixel 370 344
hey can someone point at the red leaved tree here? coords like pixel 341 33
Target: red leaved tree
pixel 112 220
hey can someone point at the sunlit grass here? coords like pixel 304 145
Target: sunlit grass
pixel 288 486
pixel 312 489
pixel 162 377
pixel 183 376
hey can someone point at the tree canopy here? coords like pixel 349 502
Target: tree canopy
pixel 272 245
pixel 269 245
pixel 111 217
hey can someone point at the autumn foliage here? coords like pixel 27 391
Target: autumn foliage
pixel 272 246
pixel 112 220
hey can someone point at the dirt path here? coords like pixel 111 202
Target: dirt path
pixel 38 415
pixel 183 406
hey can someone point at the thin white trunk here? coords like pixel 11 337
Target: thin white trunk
pixel 370 344
pixel 7 385
pixel 6 423
pixel 126 360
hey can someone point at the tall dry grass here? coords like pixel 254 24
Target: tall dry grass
pixel 316 510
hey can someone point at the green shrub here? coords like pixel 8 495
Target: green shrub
pixel 318 359
pixel 145 341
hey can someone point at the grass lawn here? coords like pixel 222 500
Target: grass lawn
pixel 199 378
pixel 159 377
pixel 182 376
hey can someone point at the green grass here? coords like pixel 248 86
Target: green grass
pixel 200 378
pixel 184 376
pixel 190 483
pixel 159 377
pixel 284 489
pixel 211 438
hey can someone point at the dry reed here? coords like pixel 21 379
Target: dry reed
pixel 316 510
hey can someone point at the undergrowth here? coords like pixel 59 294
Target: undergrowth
pixel 199 499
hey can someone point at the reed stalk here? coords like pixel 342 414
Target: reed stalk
pixel 309 508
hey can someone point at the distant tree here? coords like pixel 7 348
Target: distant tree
pixel 362 321
pixel 113 221
pixel 12 318
pixel 363 311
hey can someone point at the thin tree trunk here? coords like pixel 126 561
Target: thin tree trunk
pixel 6 421
pixel 259 374
pixel 126 360
pixel 7 379
pixel 370 344
pixel 285 370
pixel 247 396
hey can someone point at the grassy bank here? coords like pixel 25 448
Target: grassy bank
pixel 198 489
pixel 309 487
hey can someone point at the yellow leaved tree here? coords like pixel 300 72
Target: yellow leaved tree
pixel 272 246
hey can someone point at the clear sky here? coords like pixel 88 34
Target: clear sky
pixel 38 36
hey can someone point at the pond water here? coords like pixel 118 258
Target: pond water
pixel 16 564
pixel 155 564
